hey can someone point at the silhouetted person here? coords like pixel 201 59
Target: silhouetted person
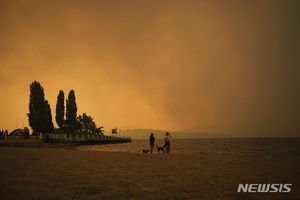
pixel 151 139
pixel 167 142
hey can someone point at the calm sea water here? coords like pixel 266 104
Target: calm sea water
pixel 245 146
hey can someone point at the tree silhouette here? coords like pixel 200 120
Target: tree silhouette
pixel 26 131
pixel 86 122
pixel 36 101
pixel 100 130
pixel 49 128
pixel 39 116
pixel 60 109
pixel 114 131
pixel 71 112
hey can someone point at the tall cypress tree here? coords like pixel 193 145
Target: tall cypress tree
pixel 36 106
pixel 60 109
pixel 71 112
pixel 49 123
pixel 39 116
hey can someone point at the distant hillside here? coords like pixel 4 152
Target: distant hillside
pixel 139 133
pixel 186 135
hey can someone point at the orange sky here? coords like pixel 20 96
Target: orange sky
pixel 230 67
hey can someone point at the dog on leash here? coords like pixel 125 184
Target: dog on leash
pixel 159 149
pixel 145 151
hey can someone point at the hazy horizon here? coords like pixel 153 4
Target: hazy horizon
pixel 225 67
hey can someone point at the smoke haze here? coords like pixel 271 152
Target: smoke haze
pixel 229 67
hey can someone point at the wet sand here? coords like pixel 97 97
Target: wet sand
pixel 58 173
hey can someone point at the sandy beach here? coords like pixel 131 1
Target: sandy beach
pixel 58 173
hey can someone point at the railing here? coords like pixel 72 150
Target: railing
pixel 81 136
pixel 77 137
pixel 18 137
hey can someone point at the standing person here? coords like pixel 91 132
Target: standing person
pixel 152 139
pixel 167 142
